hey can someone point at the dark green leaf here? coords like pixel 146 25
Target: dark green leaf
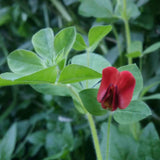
pixel 89 99
pixel 5 15
pixel 152 48
pixel 149 143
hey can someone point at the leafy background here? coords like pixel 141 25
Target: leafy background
pixel 37 126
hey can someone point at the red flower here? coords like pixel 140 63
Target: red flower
pixel 116 89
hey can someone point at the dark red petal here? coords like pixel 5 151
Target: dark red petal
pixel 115 102
pixel 125 84
pixel 109 76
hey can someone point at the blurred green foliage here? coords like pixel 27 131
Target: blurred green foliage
pixel 36 126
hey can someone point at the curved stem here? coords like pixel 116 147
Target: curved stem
pixel 62 10
pixel 108 135
pixel 94 136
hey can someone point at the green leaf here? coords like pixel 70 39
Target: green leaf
pixel 96 34
pixel 47 75
pixel 137 75
pixel 134 54
pixel 37 138
pixel 135 49
pixel 93 61
pixel 132 10
pixel 60 90
pixel 79 44
pixel 142 2
pixel 136 111
pixel 96 8
pixel 89 99
pixel 64 40
pixel 76 73
pixel 24 62
pixel 151 83
pixel 153 96
pixel 43 44
pixel 56 142
pixel 122 146
pixel 152 48
pixel 52 89
pixel 8 143
pixel 149 143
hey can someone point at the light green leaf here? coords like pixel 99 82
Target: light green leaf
pixel 60 90
pixel 153 96
pixel 152 48
pixel 47 75
pixel 8 143
pixel 96 8
pixel 89 99
pixel 134 54
pixel 136 111
pixel 76 73
pixel 24 62
pixel 137 75
pixel 142 2
pixel 93 61
pixel 135 46
pixel 132 10
pixel 135 49
pixel 79 44
pixel 96 34
pixel 64 40
pixel 43 44
pixel 52 89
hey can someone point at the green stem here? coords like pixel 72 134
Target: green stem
pixel 140 64
pixel 91 123
pixel 118 44
pixel 108 135
pixel 62 10
pixel 127 29
pixel 45 14
pixel 94 136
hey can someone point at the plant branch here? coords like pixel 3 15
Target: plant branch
pixel 94 136
pixel 108 136
pixel 62 10
pixel 127 29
